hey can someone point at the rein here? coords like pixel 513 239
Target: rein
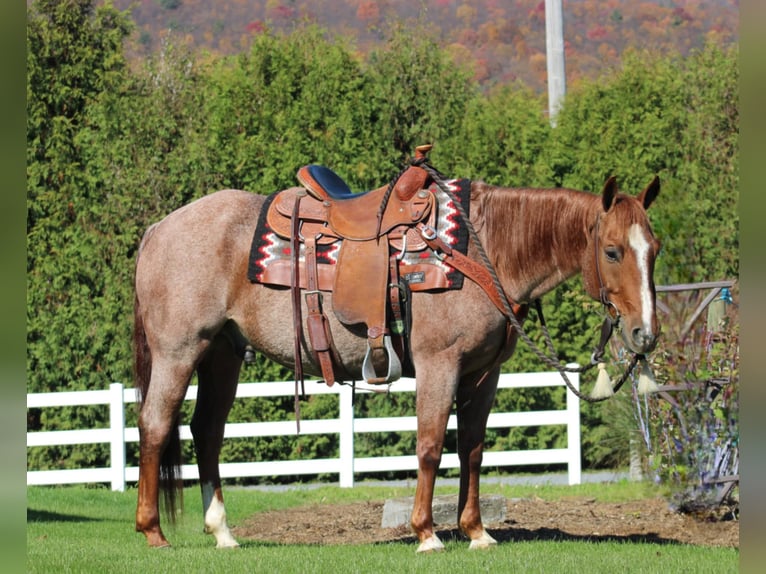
pixel 550 360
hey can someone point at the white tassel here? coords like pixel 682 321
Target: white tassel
pixel 646 382
pixel 603 387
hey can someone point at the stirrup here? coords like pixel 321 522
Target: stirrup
pixel 394 365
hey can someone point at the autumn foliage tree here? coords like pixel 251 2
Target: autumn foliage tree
pixel 507 38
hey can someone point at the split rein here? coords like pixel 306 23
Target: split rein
pixel 606 329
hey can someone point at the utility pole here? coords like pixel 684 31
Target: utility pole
pixel 554 45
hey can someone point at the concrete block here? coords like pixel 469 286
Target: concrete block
pixel 397 511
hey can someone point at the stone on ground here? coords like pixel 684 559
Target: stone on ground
pixel 397 511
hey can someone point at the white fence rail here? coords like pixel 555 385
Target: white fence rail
pixel 346 425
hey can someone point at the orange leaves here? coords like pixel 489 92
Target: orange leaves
pixel 502 35
pixel 597 33
pixel 368 11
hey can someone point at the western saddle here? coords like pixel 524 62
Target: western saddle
pixel 374 230
pixel 364 282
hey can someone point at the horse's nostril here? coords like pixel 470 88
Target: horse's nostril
pixel 642 338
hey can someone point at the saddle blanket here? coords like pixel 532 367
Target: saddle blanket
pixel 271 254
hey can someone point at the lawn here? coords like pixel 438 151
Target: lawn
pixel 90 529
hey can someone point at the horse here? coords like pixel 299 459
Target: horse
pixel 195 309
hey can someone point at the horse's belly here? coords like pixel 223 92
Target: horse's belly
pixel 439 331
pixel 268 326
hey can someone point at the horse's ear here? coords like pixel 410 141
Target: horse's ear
pixel 609 192
pixel 651 192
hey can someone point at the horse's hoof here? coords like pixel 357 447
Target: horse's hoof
pixel 223 537
pixel 228 544
pixel 483 542
pixel 430 545
pixel 156 539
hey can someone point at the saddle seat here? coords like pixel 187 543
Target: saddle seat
pixel 371 214
pixel 357 218
pixel 324 184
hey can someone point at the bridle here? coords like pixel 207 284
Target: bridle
pixel 603 295
pixel 611 312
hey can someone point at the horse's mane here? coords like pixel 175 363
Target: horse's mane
pixel 542 233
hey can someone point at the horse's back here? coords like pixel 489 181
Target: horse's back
pixel 225 208
pixel 205 226
pixel 193 260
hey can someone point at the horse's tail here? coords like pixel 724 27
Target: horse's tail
pixel 170 461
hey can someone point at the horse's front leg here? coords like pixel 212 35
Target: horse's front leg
pixel 434 402
pixel 473 406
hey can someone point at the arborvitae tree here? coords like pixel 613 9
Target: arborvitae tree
pixel 73 324
pixel 74 59
pixel 289 101
pixel 419 96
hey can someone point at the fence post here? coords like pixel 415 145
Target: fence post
pixel 117 435
pixel 346 447
pixel 573 429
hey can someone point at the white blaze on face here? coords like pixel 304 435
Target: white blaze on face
pixel 640 245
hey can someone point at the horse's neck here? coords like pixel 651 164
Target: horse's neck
pixel 536 238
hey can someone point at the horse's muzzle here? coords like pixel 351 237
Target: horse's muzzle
pixel 641 340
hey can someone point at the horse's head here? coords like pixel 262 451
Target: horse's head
pixel 619 263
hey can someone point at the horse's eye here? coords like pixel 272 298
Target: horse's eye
pixel 612 254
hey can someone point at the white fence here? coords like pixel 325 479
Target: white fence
pixel 346 425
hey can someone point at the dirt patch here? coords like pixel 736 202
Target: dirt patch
pixel 649 521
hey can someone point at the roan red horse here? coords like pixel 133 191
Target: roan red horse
pixel 196 310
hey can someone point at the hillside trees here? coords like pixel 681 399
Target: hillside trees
pixel 500 40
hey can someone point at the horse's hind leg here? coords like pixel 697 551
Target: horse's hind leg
pixel 218 374
pixel 158 430
pixel 473 406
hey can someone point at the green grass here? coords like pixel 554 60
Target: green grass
pixel 90 529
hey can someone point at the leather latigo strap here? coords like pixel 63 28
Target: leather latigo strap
pixel 398 329
pixel 468 267
pixel 316 322
pixel 295 292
